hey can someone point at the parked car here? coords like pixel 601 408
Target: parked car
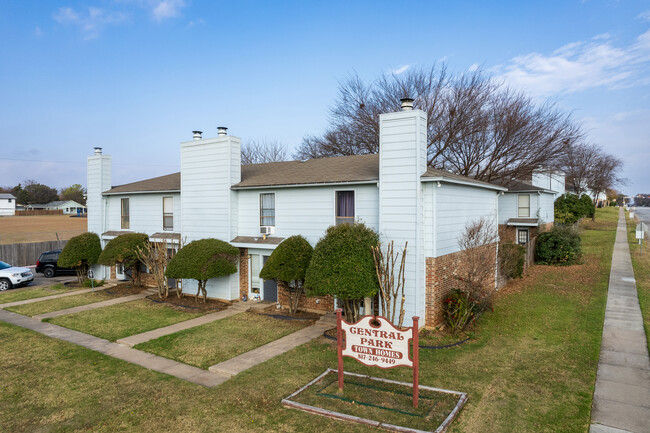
pixel 11 276
pixel 47 266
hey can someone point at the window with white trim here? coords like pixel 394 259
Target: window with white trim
pixel 267 209
pixel 125 223
pixel 522 236
pixel 523 201
pixel 344 207
pixel 168 213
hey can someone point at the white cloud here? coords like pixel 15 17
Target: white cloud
pixel 644 16
pixel 164 9
pixel 38 32
pixel 91 21
pixel 196 22
pixel 473 67
pixel 580 66
pixel 401 69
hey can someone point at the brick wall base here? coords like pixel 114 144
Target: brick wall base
pixel 317 304
pixel 243 272
pixel 442 275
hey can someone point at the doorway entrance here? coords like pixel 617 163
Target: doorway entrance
pixel 266 290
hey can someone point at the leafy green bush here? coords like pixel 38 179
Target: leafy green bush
pixel 511 260
pixel 93 283
pixel 560 246
pixel 288 264
pixel 79 253
pixel 124 250
pixel 343 266
pixel 202 260
pixel 612 203
pixel 459 310
pixel 569 208
pixel 588 207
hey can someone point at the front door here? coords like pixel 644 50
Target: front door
pixel 270 287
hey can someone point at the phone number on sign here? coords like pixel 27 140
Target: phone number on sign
pixel 373 358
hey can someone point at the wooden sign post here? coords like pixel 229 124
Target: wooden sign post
pixel 380 345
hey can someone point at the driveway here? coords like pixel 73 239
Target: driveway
pixel 40 280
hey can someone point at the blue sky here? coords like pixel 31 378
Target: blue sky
pixel 137 76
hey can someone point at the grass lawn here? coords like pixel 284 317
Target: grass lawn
pixel 641 265
pixel 218 341
pixel 31 293
pixel 60 303
pixel 531 367
pixel 123 320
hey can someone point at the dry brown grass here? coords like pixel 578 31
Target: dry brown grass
pixel 39 228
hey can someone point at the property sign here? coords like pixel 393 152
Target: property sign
pixel 380 345
pixel 641 228
pixel 375 342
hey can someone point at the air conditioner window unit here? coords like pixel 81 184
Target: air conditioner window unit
pixel 267 230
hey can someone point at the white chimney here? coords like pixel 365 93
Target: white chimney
pixel 98 180
pixel 197 135
pixel 222 131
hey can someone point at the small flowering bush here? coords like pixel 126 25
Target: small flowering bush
pixel 459 310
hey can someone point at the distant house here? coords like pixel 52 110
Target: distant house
pixel 255 207
pixel 7 204
pixel 69 207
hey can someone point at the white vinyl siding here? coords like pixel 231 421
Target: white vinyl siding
pixel 145 212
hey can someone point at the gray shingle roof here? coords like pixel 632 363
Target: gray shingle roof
pixel 518 186
pixel 5 195
pixel 337 169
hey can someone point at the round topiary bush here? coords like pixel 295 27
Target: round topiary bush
pixel 202 260
pixel 288 264
pixel 560 246
pixel 124 250
pixel 343 266
pixel 79 253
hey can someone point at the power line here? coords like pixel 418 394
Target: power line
pixel 79 162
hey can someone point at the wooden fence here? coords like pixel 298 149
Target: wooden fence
pixel 30 212
pixel 27 254
pixel 530 251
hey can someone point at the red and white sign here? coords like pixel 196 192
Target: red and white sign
pixel 380 345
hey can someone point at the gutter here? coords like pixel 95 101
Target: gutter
pixel 463 182
pixel 143 192
pixel 301 185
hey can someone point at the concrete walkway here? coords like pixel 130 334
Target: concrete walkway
pixel 93 306
pixel 622 395
pixel 250 359
pixel 47 298
pixel 236 308
pixel 143 359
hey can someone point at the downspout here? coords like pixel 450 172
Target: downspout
pixel 496 255
pixel 105 206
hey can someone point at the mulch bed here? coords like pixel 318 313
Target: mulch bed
pixel 125 289
pixel 190 304
pixel 284 314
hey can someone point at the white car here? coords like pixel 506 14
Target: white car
pixel 11 276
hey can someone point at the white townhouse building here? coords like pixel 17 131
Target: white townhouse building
pixel 7 204
pixel 255 207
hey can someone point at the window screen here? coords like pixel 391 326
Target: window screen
pixel 524 206
pixel 168 213
pixel 125 213
pixel 267 209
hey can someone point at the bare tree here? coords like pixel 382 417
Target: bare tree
pixel 578 162
pixel 604 175
pixel 261 151
pixel 478 260
pixel 154 256
pixel 476 126
pixel 391 285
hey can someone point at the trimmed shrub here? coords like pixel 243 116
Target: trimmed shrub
pixel 79 253
pixel 588 207
pixel 560 247
pixel 569 208
pixel 343 266
pixel 288 264
pixel 511 260
pixel 202 260
pixel 124 250
pixel 93 283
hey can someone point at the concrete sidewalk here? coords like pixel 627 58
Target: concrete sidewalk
pixel 62 295
pixel 93 306
pixel 622 395
pixel 250 359
pixel 236 308
pixel 143 359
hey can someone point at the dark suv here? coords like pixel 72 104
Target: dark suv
pixel 46 264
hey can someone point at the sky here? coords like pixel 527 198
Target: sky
pixel 135 77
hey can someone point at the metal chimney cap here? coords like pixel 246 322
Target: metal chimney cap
pixel 98 150
pixel 222 130
pixel 407 104
pixel 197 135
